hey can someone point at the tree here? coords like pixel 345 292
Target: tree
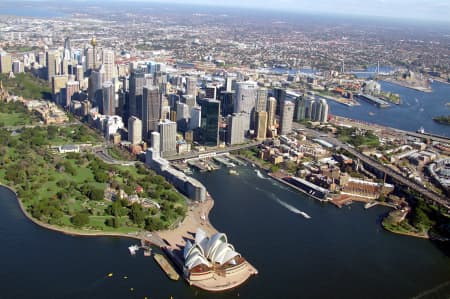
pixel 96 194
pixel 80 219
pixel 137 214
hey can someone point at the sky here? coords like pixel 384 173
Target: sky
pixel 438 10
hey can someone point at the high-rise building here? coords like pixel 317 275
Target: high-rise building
pixel 319 111
pixel 79 73
pixel 195 120
pixel 191 86
pixel 168 133
pixel 286 118
pixel 109 64
pixel 67 49
pixel 209 129
pixel 42 59
pixel 261 99
pixel 261 125
pixel 91 58
pixel 134 130
pixel 72 87
pixel 151 110
pixel 58 83
pixel 271 109
pixel 183 111
pixel 5 63
pixel 236 128
pixel 280 95
pixel 137 82
pixel 245 97
pixel 189 100
pixel 95 85
pixel 300 108
pixel 52 59
pixel 226 102
pixel 17 67
pixel 211 92
pixel 108 106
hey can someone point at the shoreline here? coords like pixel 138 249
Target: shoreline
pixel 406 85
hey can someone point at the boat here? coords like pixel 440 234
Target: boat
pixel 421 130
pixel 133 249
pixel 233 172
pixel 371 113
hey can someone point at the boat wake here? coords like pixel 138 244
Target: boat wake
pixel 293 209
pixel 259 174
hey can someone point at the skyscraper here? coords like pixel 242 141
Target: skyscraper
pixel 134 130
pixel 95 84
pixel 195 120
pixel 91 58
pixel 245 98
pixel 209 132
pixel 300 108
pixel 168 133
pixel 72 87
pixel 236 128
pixel 52 59
pixel 226 102
pixel 58 83
pixel 5 63
pixel 191 86
pixel 109 64
pixel 261 99
pixel 261 125
pixel 151 109
pixel 280 95
pixel 286 117
pixel 189 100
pixel 79 73
pixel 108 106
pixel 319 111
pixel 271 108
pixel 137 82
pixel 211 92
pixel 67 49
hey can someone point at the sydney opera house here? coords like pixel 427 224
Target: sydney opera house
pixel 211 263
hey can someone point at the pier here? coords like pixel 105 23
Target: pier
pixel 166 266
pixel 373 100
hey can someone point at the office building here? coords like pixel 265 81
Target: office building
pixel 236 128
pixel 72 88
pixel 5 63
pixel 195 120
pixel 271 109
pixel 189 100
pixel 209 125
pixel 58 83
pixel 52 62
pixel 108 106
pixel 245 97
pixel 79 73
pixel 319 111
pixel 300 108
pixel 191 86
pixel 137 83
pixel 261 125
pixel 17 67
pixel 261 99
pixel 109 64
pixel 134 130
pixel 211 92
pixel 95 85
pixel 151 110
pixel 280 95
pixel 226 99
pixel 168 141
pixel 286 118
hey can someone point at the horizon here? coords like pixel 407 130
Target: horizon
pixel 414 10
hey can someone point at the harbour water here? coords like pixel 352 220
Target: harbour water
pixel 336 253
pixel 417 109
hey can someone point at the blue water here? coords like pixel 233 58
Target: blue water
pixel 417 109
pixel 31 12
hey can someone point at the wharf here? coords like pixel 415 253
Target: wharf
pixel 224 161
pixel 373 100
pixel 236 160
pixel 166 266
pixel 279 177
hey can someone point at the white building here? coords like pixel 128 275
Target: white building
pixel 134 130
pixel 245 97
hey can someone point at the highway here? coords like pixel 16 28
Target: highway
pixel 440 200
pixel 192 155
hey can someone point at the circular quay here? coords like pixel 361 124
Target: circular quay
pixel 224 149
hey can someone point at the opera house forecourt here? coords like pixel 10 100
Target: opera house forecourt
pixel 212 264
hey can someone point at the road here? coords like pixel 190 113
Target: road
pixel 438 199
pixel 13 128
pixel 102 153
pixel 214 150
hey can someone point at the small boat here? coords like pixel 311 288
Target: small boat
pixel 371 113
pixel 133 249
pixel 110 275
pixel 233 172
pixel 421 130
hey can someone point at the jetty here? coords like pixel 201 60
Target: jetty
pixel 166 266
